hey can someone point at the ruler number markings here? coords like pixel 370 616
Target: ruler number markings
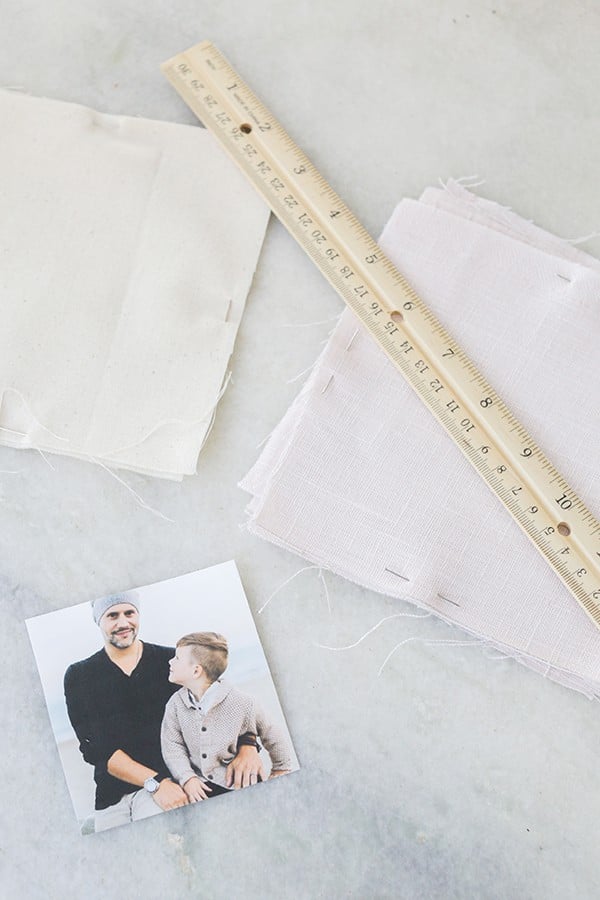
pixel 517 473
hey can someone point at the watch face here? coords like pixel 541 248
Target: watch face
pixel 151 785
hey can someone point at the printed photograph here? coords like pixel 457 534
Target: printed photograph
pixel 160 697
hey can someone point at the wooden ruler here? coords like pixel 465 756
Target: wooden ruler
pixel 494 441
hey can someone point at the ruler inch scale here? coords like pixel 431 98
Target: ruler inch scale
pixel 497 445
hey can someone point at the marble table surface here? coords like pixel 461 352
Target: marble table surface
pixel 453 775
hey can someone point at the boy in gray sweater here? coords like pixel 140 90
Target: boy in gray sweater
pixel 204 719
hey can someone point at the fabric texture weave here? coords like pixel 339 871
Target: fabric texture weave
pixel 128 247
pixel 360 479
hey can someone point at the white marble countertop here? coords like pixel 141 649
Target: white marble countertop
pixel 453 775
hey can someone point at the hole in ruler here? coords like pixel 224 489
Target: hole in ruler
pixel 396 316
pixel 246 128
pixel 563 529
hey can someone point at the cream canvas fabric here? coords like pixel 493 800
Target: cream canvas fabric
pixel 360 479
pixel 127 251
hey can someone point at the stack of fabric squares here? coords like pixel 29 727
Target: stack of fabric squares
pixel 128 247
pixel 360 479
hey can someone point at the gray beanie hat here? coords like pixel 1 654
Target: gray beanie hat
pixel 101 604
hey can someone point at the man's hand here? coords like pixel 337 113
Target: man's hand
pixel 196 789
pixel 169 795
pixel 245 769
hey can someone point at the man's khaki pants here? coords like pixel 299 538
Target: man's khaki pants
pixel 130 808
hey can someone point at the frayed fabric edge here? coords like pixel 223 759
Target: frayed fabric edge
pixel 561 676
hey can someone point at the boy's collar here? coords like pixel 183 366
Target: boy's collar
pixel 211 696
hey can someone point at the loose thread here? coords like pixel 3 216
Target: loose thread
pixel 300 374
pixel 35 419
pixel 322 577
pixel 137 497
pixel 45 458
pixel 187 423
pixel 25 435
pixel 213 416
pixel 374 628
pixel 287 581
pixel 264 440
pixel 425 641
pixel 462 181
pixel 515 654
pixel 582 240
pixel 213 419
pixel 309 324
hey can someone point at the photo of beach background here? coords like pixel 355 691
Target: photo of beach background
pixel 209 600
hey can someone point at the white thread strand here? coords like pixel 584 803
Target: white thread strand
pixel 309 324
pixel 35 419
pixel 45 458
pixel 183 422
pixel 264 440
pixel 463 180
pixel 425 641
pixel 300 374
pixel 322 577
pixel 582 240
pixel 213 416
pixel 287 581
pixel 137 497
pixel 374 628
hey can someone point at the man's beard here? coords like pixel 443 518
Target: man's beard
pixel 124 640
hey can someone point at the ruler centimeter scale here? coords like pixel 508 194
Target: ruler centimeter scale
pixel 492 439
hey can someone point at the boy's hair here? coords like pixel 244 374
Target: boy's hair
pixel 209 649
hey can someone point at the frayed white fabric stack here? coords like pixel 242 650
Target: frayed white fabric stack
pixel 359 478
pixel 128 247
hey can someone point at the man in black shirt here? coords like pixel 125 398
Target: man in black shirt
pixel 116 700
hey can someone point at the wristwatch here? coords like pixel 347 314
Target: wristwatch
pixel 151 785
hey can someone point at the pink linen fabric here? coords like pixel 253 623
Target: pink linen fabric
pixel 360 479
